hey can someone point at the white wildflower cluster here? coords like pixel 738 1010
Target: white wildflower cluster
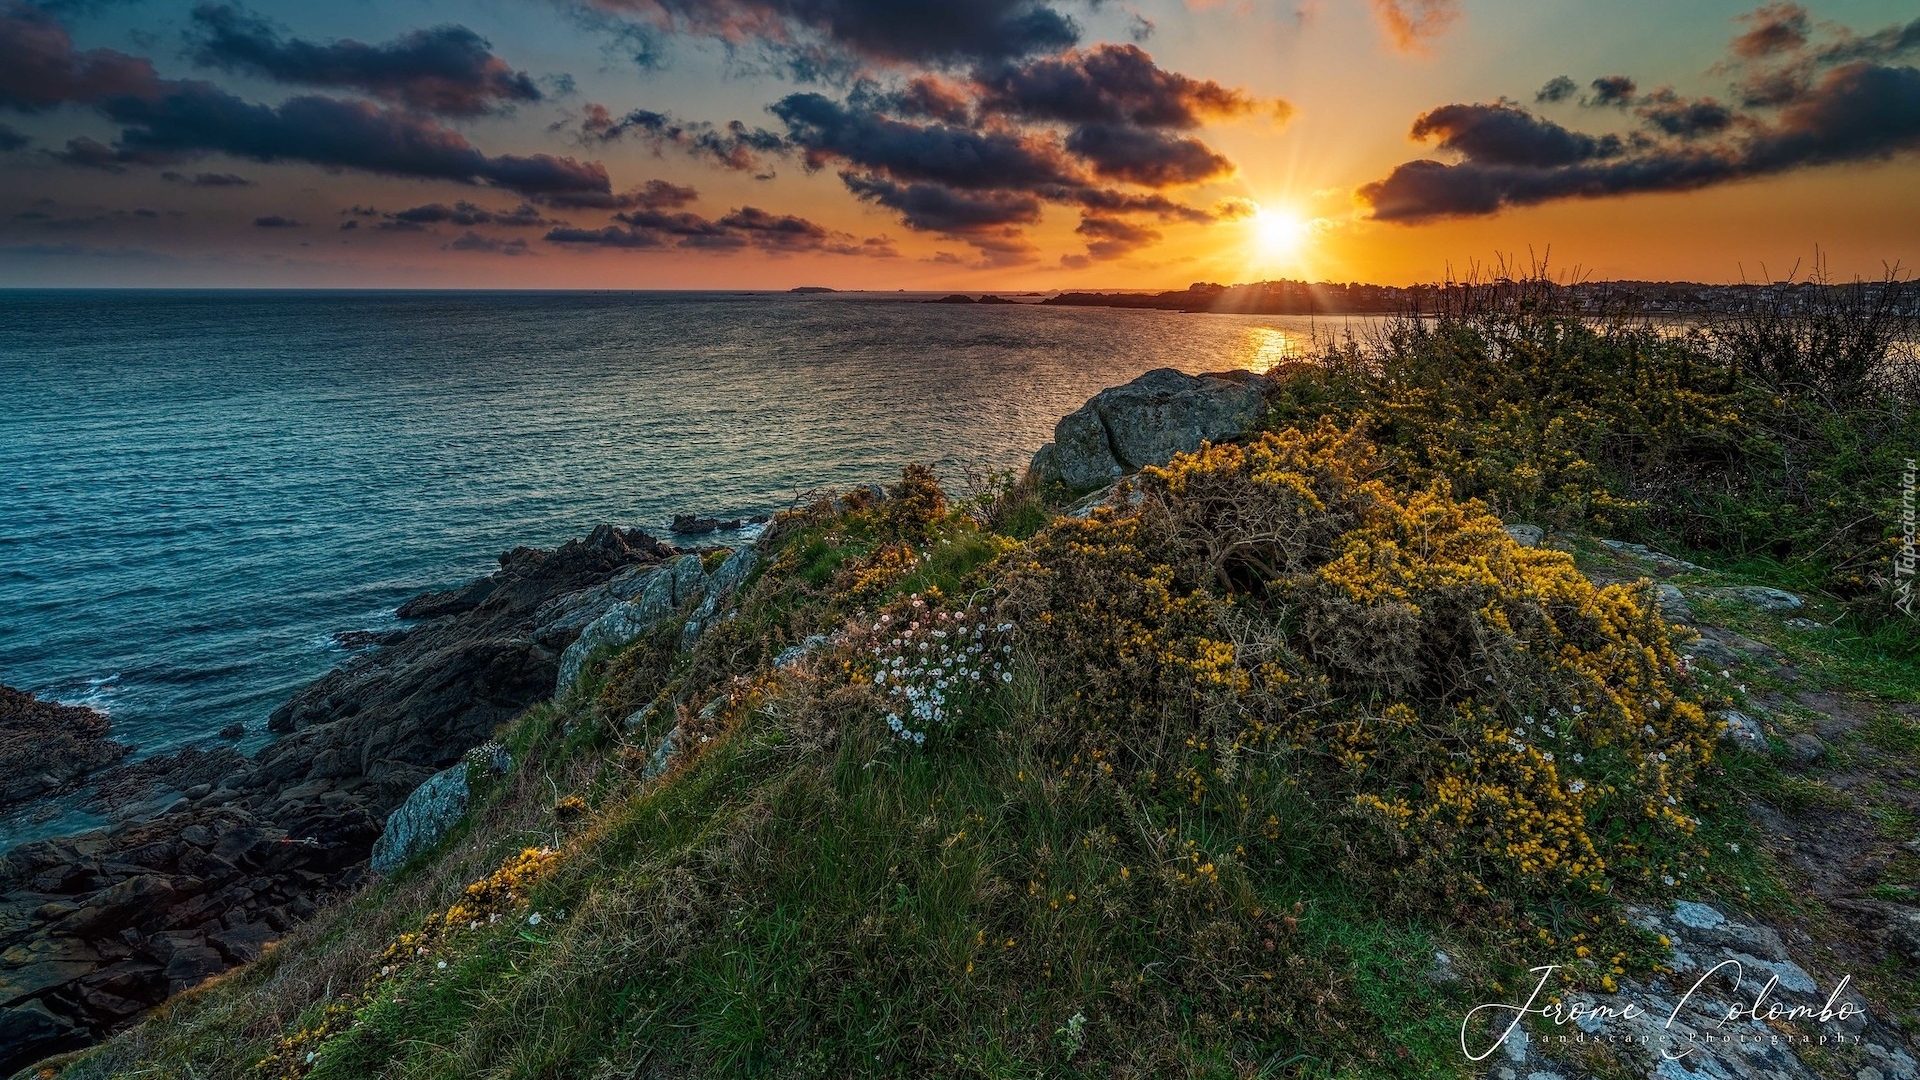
pixel 930 664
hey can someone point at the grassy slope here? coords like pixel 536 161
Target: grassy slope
pixel 805 896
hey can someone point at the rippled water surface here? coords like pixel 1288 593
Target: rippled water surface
pixel 197 490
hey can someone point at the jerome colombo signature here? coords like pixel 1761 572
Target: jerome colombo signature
pixel 1560 1012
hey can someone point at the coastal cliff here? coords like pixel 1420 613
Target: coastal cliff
pixel 1268 724
pixel 97 928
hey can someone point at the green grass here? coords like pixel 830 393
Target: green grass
pixel 805 896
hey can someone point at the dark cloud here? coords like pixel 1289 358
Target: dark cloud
pixel 1111 85
pixel 88 153
pixel 1615 91
pixel 207 179
pixel 446 69
pixel 168 119
pixel 746 227
pixel 613 236
pixel 85 221
pixel 968 158
pixel 1558 89
pixel 1146 157
pixel 1858 112
pixel 1685 118
pixel 473 241
pixel 465 213
pixel 978 160
pixel 731 146
pixel 1790 65
pixel 929 98
pixel 1772 29
pixel 39 68
pixel 277 221
pixel 943 209
pixel 1890 43
pixel 816 38
pixel 194 117
pixel 1412 23
pixel 1802 103
pixel 1110 202
pixel 11 139
pixel 653 194
pixel 1505 134
pixel 1110 238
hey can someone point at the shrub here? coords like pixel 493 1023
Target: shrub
pixel 1774 434
pixel 1480 708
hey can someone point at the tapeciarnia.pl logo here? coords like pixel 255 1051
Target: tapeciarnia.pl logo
pixel 1903 563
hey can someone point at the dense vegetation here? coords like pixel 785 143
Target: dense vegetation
pixel 1772 435
pixel 1268 765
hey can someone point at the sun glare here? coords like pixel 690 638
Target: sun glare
pixel 1279 231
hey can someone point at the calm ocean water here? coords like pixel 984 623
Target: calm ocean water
pixel 198 489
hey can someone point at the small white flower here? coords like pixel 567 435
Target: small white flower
pixel 440 965
pixel 1576 786
pixel 533 919
pixel 1006 676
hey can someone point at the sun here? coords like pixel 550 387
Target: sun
pixel 1279 231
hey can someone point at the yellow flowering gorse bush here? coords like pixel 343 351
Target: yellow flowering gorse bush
pixel 1272 614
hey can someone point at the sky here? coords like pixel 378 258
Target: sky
pixel 969 144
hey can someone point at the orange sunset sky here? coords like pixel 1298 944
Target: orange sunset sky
pixel 998 144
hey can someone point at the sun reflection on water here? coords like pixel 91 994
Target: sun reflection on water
pixel 1266 348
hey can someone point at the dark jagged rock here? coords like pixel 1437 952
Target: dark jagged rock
pixel 128 785
pixel 954 298
pixel 46 746
pixel 369 639
pixel 696 525
pixel 222 854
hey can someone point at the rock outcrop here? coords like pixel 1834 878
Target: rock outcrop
pixel 423 819
pixel 220 854
pixel 46 746
pixel 1696 1021
pixel 1146 422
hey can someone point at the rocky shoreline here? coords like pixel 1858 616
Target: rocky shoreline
pixel 212 854
pixel 222 854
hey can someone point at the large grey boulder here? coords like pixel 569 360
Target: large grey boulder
pixel 1146 422
pixel 675 584
pixel 426 816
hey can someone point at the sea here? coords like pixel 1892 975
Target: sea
pixel 200 489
